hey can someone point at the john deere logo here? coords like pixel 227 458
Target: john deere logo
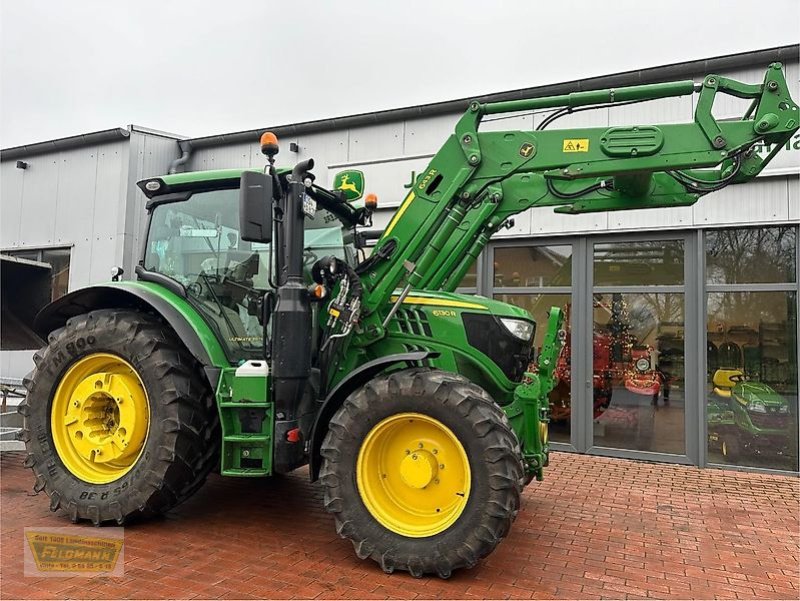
pixel 350 182
pixel 526 150
pixel 57 551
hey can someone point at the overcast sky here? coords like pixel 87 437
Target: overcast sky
pixel 196 67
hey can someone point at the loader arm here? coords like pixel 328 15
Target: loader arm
pixel 478 180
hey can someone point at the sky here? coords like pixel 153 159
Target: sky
pixel 197 67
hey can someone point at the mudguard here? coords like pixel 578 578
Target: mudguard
pixel 337 396
pixel 198 337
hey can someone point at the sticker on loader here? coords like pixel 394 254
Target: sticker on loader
pixel 576 145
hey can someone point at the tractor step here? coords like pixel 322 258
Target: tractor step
pixel 249 438
pixel 246 472
pixel 247 421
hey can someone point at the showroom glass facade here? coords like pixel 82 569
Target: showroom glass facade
pixel 694 341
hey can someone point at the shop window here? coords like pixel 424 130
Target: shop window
pixel 639 371
pixel 644 263
pixel 470 281
pixel 533 266
pixel 752 379
pixel 751 255
pixel 539 305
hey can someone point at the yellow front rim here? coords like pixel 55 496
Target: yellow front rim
pixel 413 475
pixel 544 433
pixel 99 418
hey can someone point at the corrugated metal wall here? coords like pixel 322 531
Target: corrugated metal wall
pixel 72 198
pixel 84 199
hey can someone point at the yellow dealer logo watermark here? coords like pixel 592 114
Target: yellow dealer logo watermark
pixel 73 552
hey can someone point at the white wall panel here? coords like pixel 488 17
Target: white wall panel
pixel 427 134
pixel 37 225
pixel 15 364
pixel 74 200
pixel 794 198
pixel 109 201
pixel 376 142
pixel 648 219
pixel 506 123
pixel 328 148
pixel 220 157
pixel 663 110
pixel 761 201
pixel 12 181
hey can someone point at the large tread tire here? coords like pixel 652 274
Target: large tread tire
pixel 494 458
pixel 182 444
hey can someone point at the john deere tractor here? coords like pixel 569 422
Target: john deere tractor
pixel 254 341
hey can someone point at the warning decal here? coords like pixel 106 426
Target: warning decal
pixel 576 145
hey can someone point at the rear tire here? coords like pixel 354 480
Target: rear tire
pixel 491 451
pixel 182 439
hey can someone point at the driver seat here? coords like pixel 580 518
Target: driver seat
pixel 725 379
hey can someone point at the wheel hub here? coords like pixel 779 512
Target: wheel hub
pixel 418 469
pixel 100 418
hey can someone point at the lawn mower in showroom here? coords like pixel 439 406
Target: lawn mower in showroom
pixel 253 341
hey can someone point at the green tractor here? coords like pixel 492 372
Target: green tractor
pixel 253 341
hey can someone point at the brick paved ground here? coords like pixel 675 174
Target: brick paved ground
pixel 596 528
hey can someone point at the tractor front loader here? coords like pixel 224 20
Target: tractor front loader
pixel 253 340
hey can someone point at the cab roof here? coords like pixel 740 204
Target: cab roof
pixel 193 180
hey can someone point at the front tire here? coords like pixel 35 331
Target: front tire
pixel 119 419
pixel 422 472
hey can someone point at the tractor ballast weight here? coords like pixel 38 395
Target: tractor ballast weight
pixel 255 342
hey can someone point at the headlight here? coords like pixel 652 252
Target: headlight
pixel 518 328
pixel 643 364
pixel 756 407
pixel 783 409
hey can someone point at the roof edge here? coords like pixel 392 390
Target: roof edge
pixel 626 78
pixel 68 143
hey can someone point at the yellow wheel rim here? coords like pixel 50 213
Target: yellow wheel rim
pixel 99 418
pixel 413 475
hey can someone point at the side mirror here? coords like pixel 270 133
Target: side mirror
pixel 255 207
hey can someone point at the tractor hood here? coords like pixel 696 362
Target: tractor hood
pixel 463 302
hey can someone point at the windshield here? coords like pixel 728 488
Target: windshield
pixel 196 242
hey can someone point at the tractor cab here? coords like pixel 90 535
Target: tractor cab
pixel 196 240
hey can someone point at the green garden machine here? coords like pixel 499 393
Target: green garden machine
pixel 257 337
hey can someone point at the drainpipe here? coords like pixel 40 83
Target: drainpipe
pixel 186 152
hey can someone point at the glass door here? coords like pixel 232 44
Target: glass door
pixel 637 347
pixel 538 276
